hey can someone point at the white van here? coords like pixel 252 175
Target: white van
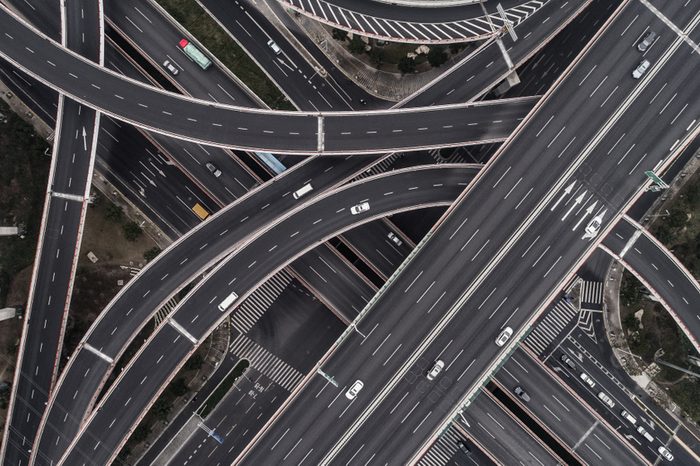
pixel 645 434
pixel 632 420
pixel 303 190
pixel 226 303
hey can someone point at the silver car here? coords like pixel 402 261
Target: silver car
pixel 641 69
pixel 168 65
pixel 359 208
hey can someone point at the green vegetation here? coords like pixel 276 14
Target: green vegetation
pixel 357 45
pixel 23 176
pixel 193 18
pixel 678 227
pixel 224 387
pixel 407 65
pixel 132 231
pixel 437 56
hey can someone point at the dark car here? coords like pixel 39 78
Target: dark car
pixel 464 447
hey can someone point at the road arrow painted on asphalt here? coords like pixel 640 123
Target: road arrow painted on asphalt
pixel 149 180
pixel 588 212
pixel 84 139
pixel 578 200
pixel 567 191
pixel 161 172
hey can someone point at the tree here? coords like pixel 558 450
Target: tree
pixel 151 253
pixel 407 65
pixel 340 34
pixel 437 56
pixel 357 45
pixel 195 362
pixel 114 212
pixel 178 387
pixel 132 231
pixel 376 55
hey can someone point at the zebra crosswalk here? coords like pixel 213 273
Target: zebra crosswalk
pixel 447 155
pixel 550 326
pixel 265 362
pixel 250 311
pixel 443 449
pixel 379 167
pixel 164 311
pixel 592 293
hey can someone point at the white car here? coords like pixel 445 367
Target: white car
pixel 354 390
pixel 359 208
pixel 167 64
pixel 504 336
pixel 589 381
pixel 663 451
pixel 645 434
pixel 394 238
pixel 641 69
pixel 435 370
pixel 606 399
pixel 273 45
pixel 212 168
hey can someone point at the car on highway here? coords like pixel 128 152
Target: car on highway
pixel 394 238
pixel 606 399
pixel 587 379
pixel 354 390
pixel 212 168
pixel 641 69
pixel 168 65
pixel 273 45
pixel 359 208
pixel 435 370
pixel 567 360
pixel 631 419
pixel 307 188
pixel 663 451
pixel 645 434
pixel 464 447
pixel 504 336
pixel 647 41
pixel 522 394
pixel 226 303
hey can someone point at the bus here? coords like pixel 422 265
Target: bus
pixel 195 54
pixel 200 211
pixel 271 162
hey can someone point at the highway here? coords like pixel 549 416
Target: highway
pixel 63 218
pixel 413 188
pixel 526 276
pixel 497 431
pixel 562 414
pixel 250 129
pixel 660 271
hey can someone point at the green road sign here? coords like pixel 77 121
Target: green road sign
pixel 658 181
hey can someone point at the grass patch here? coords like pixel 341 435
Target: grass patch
pixel 23 176
pixel 224 387
pixel 193 18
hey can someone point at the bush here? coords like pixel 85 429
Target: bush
pixel 132 231
pixel 407 65
pixel 340 34
pixel 437 56
pixel 357 45
pixel 195 362
pixel 376 55
pixel 151 253
pixel 178 387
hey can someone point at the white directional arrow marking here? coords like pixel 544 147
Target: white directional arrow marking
pixel 567 191
pixel 149 180
pixel 588 212
pixel 161 172
pixel 578 200
pixel 84 140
